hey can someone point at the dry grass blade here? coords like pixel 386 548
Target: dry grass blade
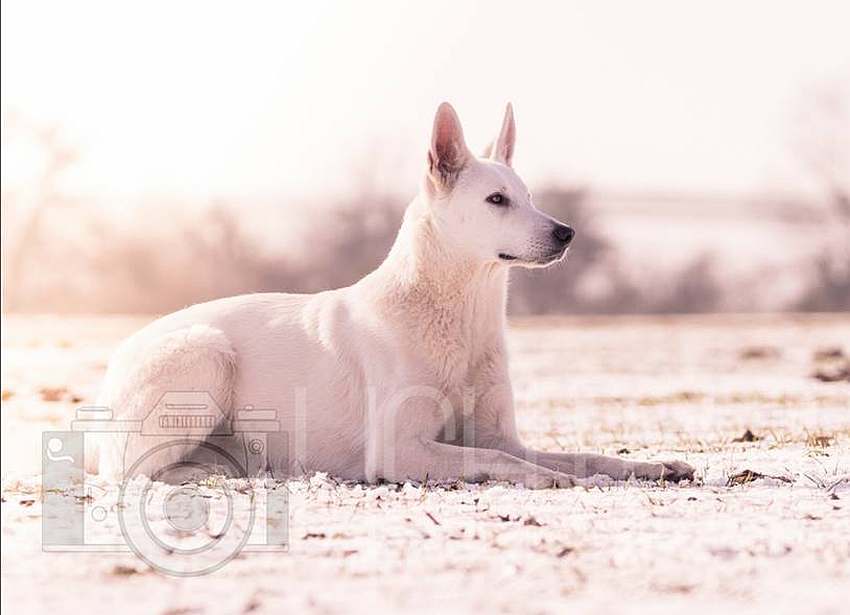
pixel 432 518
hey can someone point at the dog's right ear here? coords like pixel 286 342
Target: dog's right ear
pixel 448 153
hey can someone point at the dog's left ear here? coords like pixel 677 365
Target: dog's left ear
pixel 502 149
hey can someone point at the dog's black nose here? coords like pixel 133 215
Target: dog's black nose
pixel 563 233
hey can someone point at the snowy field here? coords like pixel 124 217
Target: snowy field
pixel 728 394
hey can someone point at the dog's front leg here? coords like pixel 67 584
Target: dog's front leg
pixel 493 425
pixel 588 464
pixel 402 444
pixel 420 460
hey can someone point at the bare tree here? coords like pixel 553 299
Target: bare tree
pixel 27 241
pixel 822 143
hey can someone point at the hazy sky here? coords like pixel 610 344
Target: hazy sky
pixel 239 99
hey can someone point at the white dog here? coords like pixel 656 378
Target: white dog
pixel 404 374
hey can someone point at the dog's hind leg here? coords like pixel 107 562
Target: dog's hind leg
pixel 196 360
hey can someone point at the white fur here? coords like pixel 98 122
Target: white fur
pixel 402 375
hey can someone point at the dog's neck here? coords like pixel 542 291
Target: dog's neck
pixel 450 301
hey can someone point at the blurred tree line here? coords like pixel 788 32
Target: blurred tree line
pixel 59 256
pixel 131 265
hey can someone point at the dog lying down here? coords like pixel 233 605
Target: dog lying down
pixel 401 376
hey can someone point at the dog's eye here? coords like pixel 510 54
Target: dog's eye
pixel 497 198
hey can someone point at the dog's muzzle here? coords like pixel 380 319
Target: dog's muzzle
pixel 562 236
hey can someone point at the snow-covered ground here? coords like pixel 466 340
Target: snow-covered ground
pixel 637 387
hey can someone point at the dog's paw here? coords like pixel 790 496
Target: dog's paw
pixel 675 470
pixel 670 471
pixel 549 480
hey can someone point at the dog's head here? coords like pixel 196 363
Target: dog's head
pixel 481 206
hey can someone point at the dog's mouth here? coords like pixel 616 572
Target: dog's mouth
pixel 535 262
pixel 538 261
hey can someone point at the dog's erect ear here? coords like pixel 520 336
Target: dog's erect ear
pixel 502 149
pixel 448 153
